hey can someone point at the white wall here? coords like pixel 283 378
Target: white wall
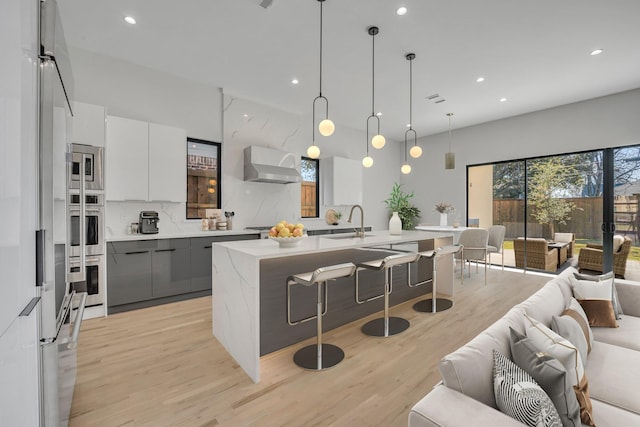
pixel 129 90
pixel 601 122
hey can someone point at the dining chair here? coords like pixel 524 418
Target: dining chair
pixel 496 240
pixel 474 248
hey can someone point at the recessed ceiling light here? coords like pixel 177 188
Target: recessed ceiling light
pixel 596 52
pixel 401 11
pixel 408 125
pixel 245 115
pixel 480 79
pixel 378 113
pixel 503 99
pixel 294 82
pixel 130 20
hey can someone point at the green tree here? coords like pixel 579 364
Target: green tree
pixel 548 183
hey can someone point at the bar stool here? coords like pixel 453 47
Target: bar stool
pixel 435 304
pixel 318 356
pixel 385 326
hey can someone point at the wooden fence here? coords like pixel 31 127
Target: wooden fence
pixel 308 199
pixel 585 220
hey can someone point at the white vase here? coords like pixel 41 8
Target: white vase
pixel 443 220
pixel 395 224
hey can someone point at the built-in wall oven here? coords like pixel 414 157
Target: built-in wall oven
pixel 94 273
pixel 94 224
pixel 86 160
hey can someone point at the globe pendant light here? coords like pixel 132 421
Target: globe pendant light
pixel 450 157
pixel 378 140
pixel 406 168
pixel 326 126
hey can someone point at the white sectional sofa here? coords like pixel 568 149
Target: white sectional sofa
pixel 465 396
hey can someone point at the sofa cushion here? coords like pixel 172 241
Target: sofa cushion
pixel 469 368
pixel 568 328
pixel 606 415
pixel 574 309
pixel 602 277
pixel 545 303
pixel 596 298
pixel 550 374
pixel 519 396
pixel 614 376
pixel 627 335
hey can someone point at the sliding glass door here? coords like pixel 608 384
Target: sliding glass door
pixel 554 206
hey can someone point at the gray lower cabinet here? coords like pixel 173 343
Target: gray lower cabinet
pixel 143 273
pixel 129 272
pixel 170 267
pixel 201 258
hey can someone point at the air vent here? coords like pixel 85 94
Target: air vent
pixel 436 98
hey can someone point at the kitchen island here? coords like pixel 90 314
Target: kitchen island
pixel 249 287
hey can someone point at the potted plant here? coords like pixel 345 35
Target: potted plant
pixel 399 201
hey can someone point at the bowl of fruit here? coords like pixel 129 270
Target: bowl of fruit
pixel 287 234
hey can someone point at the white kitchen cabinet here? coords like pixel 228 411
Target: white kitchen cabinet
pixel 145 161
pixel 127 159
pixel 88 124
pixel 167 163
pixel 342 180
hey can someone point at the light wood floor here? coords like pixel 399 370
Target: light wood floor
pixel 161 366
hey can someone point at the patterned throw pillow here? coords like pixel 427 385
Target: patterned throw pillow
pixel 596 298
pixel 519 396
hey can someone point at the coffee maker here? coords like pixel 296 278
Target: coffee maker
pixel 148 223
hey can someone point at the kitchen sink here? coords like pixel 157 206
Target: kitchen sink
pixel 344 236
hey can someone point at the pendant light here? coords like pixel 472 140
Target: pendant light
pixel 406 168
pixel 450 157
pixel 378 140
pixel 326 126
pixel 416 150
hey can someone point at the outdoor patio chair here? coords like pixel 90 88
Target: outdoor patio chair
pixel 569 238
pixel 590 258
pixel 538 254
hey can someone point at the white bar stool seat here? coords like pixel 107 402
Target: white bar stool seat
pixel 385 326
pixel 318 356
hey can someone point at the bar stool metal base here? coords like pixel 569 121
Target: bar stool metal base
pixel 307 357
pixel 375 327
pixel 426 306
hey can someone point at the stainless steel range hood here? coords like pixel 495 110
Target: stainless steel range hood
pixel 263 164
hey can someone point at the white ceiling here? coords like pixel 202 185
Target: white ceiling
pixel 534 53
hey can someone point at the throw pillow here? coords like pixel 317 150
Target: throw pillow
pixel 550 374
pixel 558 347
pixel 596 298
pixel 519 396
pixel 574 309
pixel 614 292
pixel 568 328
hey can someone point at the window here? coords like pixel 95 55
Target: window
pixel 310 171
pixel 203 177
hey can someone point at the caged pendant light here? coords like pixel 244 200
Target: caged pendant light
pixel 326 126
pixel 450 157
pixel 416 150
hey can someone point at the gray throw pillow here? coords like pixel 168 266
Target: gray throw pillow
pixel 519 396
pixel 549 374
pixel 569 329
pixel 614 293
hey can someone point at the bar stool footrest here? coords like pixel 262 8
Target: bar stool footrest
pixel 307 357
pixel 425 306
pixel 375 327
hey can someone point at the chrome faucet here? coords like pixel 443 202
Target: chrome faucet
pixel 361 232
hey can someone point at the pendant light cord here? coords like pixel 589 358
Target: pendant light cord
pixel 450 114
pixel 321 47
pixel 373 74
pixel 410 94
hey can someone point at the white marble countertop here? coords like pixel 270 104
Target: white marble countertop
pixel 178 235
pixel 267 248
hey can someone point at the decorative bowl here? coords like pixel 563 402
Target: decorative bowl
pixel 288 242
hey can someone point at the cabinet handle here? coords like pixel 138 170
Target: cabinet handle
pixel 208 247
pixel 165 250
pixel 137 252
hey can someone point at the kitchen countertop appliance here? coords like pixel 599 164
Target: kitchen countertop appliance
pixel 148 222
